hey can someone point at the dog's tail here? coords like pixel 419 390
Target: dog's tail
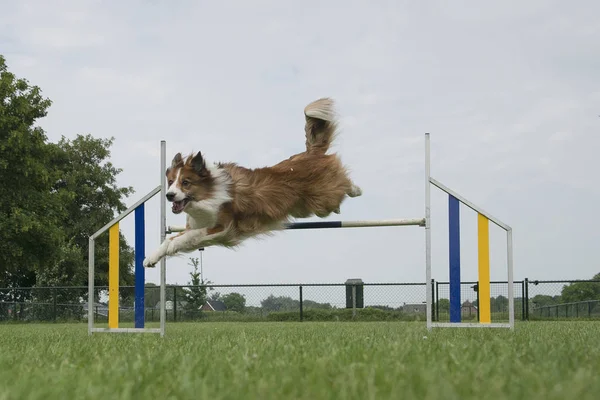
pixel 321 125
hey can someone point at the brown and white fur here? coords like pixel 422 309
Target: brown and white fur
pixel 226 203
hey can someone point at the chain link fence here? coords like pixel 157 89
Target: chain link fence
pixel 551 299
pixel 469 294
pixel 258 302
pixel 534 300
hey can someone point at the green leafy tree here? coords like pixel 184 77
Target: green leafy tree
pixel 443 305
pixel 582 291
pixel 499 304
pixel 53 196
pixel 280 303
pixel 30 212
pixel 151 295
pixel 542 300
pixel 234 302
pixel 313 304
pixel 196 295
pixel 90 197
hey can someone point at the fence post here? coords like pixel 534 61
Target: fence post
pixel 301 313
pixel 478 303
pixel 523 301
pixel 175 303
pixel 54 302
pixel 526 299
pixel 15 304
pixel 589 309
pixel 437 297
pixel 353 301
pixel 433 307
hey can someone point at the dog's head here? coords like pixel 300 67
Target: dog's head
pixel 188 181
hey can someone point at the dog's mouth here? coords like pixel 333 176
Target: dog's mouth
pixel 178 206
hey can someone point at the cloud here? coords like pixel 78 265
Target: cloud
pixel 509 92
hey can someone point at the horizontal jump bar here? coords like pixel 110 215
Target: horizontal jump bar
pixel 337 224
pixel 126 330
pixel 355 224
pixel 468 325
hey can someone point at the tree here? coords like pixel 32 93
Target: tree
pixel 582 291
pixel 313 304
pixel 30 213
pixel 90 197
pixel 542 300
pixel 499 304
pixel 444 305
pixel 234 302
pixel 53 196
pixel 196 295
pixel 151 295
pixel 280 303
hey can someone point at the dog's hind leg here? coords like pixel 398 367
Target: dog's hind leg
pixel 354 191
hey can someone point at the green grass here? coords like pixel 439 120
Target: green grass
pixel 309 360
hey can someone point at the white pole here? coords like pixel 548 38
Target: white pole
pixel 91 275
pixel 163 234
pixel 511 296
pixel 428 231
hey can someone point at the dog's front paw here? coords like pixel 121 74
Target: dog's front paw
pixel 151 261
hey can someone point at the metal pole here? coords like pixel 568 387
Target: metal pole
pixel 301 313
pixel 163 234
pixel 54 302
pixel 428 229
pixel 90 286
pixel 523 301
pixel 527 299
pixel 201 265
pixel 353 301
pixel 511 296
pixel 437 297
pixel 433 304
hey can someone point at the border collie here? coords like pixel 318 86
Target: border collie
pixel 226 203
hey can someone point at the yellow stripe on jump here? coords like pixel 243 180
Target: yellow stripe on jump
pixel 113 276
pixel 483 239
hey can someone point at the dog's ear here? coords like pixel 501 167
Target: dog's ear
pixel 176 160
pixel 199 165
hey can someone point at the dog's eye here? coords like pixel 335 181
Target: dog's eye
pixel 170 182
pixel 185 183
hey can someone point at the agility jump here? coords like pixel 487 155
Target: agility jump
pixel 208 225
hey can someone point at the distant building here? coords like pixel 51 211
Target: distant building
pixel 213 305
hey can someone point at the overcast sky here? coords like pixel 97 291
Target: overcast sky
pixel 510 92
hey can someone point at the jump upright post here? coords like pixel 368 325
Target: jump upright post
pixel 113 263
pixel 483 286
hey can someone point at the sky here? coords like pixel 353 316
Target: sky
pixel 509 91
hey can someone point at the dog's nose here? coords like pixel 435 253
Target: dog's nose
pixel 170 196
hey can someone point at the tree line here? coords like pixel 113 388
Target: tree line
pixel 571 293
pixel 54 195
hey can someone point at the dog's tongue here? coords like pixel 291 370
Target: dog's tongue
pixel 178 206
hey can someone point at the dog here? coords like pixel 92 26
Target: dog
pixel 226 203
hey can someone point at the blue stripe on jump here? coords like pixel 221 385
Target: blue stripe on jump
pixel 140 278
pixel 315 225
pixel 454 256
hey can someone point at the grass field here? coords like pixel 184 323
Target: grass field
pixel 374 360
